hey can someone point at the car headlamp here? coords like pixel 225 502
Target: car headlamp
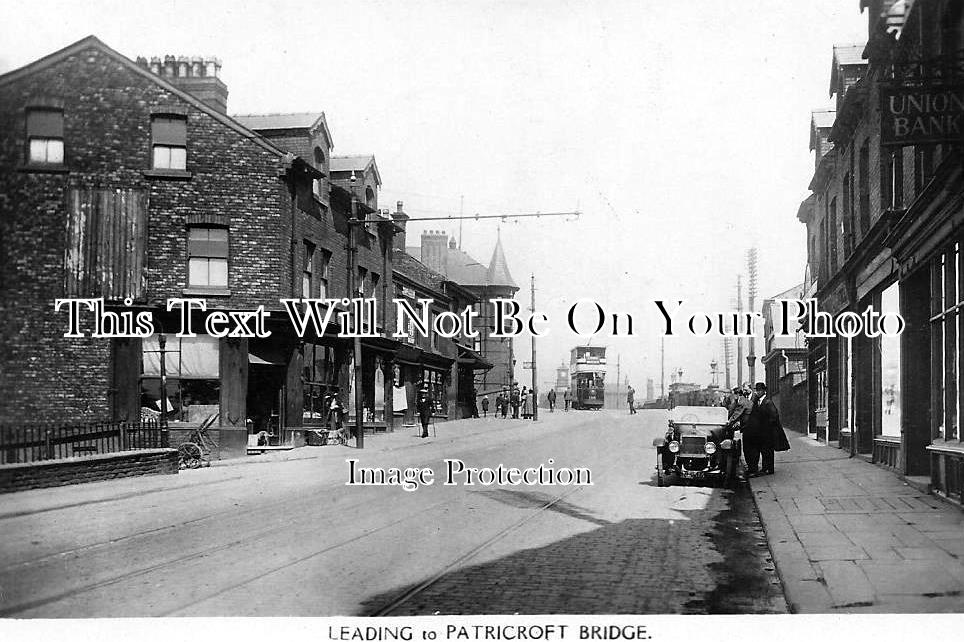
pixel 674 446
pixel 710 448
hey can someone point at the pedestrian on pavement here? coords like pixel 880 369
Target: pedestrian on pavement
pixel 630 400
pixel 505 403
pixel 514 400
pixel 524 402
pixel 551 398
pixel 739 407
pixel 485 405
pixel 763 434
pixel 423 404
pixel 473 402
pixel 566 399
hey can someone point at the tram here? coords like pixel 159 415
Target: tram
pixel 587 376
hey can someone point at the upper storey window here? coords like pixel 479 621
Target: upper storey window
pixel 45 136
pixel 169 141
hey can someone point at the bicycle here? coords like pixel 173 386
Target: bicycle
pixel 196 451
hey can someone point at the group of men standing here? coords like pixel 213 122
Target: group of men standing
pixel 514 398
pixel 754 414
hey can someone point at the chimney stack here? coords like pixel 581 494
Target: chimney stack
pixel 435 250
pixel 195 75
pixel 401 220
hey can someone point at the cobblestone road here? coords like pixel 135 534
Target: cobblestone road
pixel 289 538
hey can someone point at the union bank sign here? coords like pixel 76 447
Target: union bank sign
pixel 921 115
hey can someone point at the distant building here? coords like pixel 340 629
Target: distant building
pixel 493 281
pixel 785 363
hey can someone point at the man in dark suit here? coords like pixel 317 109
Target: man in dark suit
pixel 763 434
pixel 423 405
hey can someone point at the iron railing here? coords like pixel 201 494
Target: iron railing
pixel 24 443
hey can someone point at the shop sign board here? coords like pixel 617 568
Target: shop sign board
pixel 915 115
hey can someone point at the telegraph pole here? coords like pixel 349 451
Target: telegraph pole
pixel 751 260
pixel 662 367
pixel 535 385
pixel 739 340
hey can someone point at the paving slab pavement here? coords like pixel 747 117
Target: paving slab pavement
pixel 849 536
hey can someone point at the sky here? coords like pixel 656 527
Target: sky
pixel 679 130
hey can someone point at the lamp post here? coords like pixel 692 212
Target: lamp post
pixel 162 349
pixel 352 287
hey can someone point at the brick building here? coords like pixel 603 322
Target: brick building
pixel 442 254
pixel 785 364
pixel 118 182
pixel 883 227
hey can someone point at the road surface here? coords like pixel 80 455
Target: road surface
pixel 275 538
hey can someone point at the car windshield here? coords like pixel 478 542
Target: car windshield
pixel 698 415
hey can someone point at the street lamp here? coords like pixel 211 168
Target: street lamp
pixel 353 224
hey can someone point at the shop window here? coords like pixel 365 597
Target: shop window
pixel 436 385
pixel 45 136
pixel 320 381
pixel 208 256
pixel 307 273
pixel 169 142
pixel 193 377
pixel 946 331
pixel 890 396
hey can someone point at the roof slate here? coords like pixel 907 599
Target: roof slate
pixel 348 163
pixel 849 54
pixel 279 121
pixel 407 265
pixel 823 118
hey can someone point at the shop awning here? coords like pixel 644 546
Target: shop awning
pixel 264 353
pixel 473 359
pixel 381 344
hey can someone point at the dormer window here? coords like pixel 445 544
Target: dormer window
pixel 320 160
pixel 169 141
pixel 370 197
pixel 45 136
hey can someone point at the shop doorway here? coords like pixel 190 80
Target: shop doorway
pixel 265 399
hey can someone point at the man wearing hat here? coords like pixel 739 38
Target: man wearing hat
pixel 423 404
pixel 763 433
pixel 739 407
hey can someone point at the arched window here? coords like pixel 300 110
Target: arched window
pixel 320 159
pixel 370 197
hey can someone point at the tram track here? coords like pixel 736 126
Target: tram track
pixel 293 519
pixel 469 555
pixel 170 562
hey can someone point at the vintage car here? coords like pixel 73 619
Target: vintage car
pixel 698 446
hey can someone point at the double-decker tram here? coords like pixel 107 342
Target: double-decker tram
pixel 587 376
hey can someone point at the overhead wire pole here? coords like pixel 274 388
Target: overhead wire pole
pixel 535 380
pixel 353 285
